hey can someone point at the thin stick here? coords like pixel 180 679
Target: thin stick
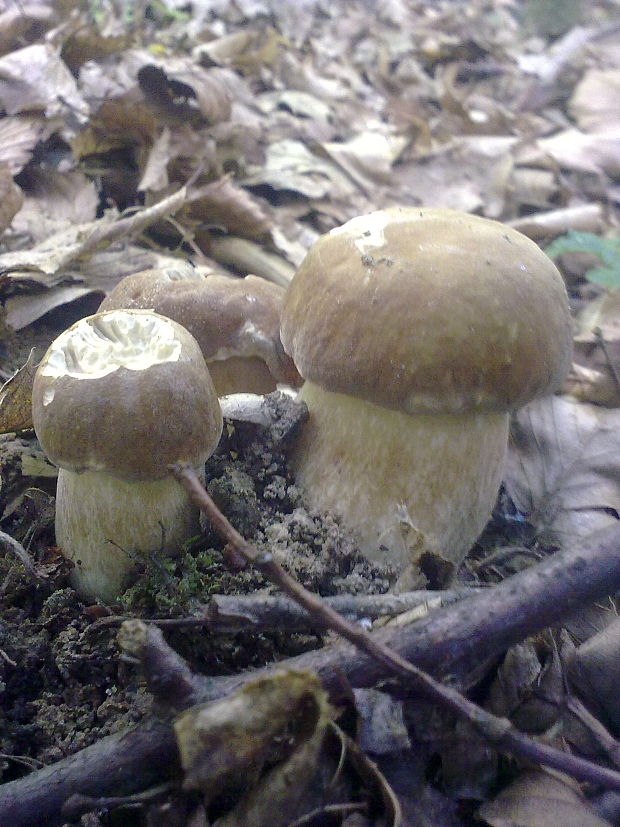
pixel 20 552
pixel 498 731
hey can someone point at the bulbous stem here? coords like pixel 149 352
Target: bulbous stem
pixel 402 483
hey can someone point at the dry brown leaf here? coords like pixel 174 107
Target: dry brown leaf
pixel 36 79
pixel 603 315
pixel 529 686
pixel 381 727
pixel 469 174
pixel 302 104
pixel 16 399
pixel 595 671
pixel 22 310
pixel 518 673
pixel 19 135
pixel 121 122
pixel 54 201
pixel 229 744
pixel 180 90
pixel 367 157
pixel 11 197
pixel 595 386
pixel 289 165
pixel 224 50
pixel 223 204
pixel 88 43
pixel 540 799
pixel 595 103
pixel 595 376
pixel 18 21
pixel 583 152
pixel 533 188
pixel 563 467
pixel 155 175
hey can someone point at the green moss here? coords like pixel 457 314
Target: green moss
pixel 173 587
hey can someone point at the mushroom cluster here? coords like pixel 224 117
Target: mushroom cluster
pixel 118 398
pixel 417 332
pixel 235 321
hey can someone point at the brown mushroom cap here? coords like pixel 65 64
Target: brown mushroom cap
pixel 128 393
pixel 229 317
pixel 429 310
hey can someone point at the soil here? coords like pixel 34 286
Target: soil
pixel 63 683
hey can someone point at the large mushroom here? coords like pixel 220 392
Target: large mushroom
pixel 117 398
pixel 418 331
pixel 235 321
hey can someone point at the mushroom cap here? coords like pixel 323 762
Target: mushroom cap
pixel 228 316
pixel 128 393
pixel 429 310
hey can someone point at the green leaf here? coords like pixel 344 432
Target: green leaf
pixel 607 249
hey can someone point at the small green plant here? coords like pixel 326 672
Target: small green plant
pixel 606 249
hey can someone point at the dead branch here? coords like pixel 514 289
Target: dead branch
pixel 231 612
pixel 498 731
pixel 451 641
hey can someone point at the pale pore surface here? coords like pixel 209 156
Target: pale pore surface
pixel 407 482
pixel 140 517
pixel 101 344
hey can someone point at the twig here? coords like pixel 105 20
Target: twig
pixel 231 612
pixel 499 731
pixel 77 804
pixel 168 677
pixel 20 552
pixel 450 642
pixel 103 234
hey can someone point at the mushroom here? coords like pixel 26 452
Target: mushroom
pixel 117 398
pixel 418 331
pixel 235 321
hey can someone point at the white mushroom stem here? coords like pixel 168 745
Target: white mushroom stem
pixel 402 483
pixel 144 518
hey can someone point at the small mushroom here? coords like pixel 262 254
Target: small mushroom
pixel 117 398
pixel 235 321
pixel 418 331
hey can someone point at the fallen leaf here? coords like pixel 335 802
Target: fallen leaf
pixel 229 744
pixel 181 90
pixel 540 799
pixel 16 399
pixel 595 671
pixel 595 103
pixel 19 135
pixel 11 197
pixel 55 201
pixel 563 468
pixel 19 20
pixel 22 310
pixel 36 79
pixel 222 203
pixel 572 149
pixel 289 165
